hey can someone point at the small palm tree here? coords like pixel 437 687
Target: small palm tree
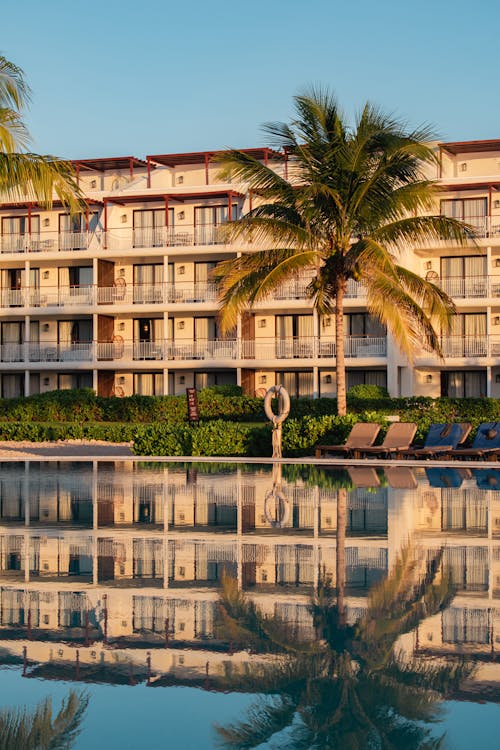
pixel 351 687
pixel 353 201
pixel 23 174
pixel 39 729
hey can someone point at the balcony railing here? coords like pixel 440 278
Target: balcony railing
pixel 186 235
pixel 470 288
pixel 48 241
pixel 309 348
pixel 355 347
pixel 466 346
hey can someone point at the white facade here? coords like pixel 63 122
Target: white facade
pixel 121 299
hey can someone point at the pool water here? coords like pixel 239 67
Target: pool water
pixel 230 605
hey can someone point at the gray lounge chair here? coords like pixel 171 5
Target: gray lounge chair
pixel 440 441
pixel 362 435
pixel 398 438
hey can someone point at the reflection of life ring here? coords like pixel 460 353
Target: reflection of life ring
pixel 120 287
pixel 118 391
pixel 282 507
pixel 283 404
pixel 117 346
pixel 260 393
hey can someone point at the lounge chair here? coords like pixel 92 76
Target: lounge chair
pixel 362 435
pixel 486 443
pixel 398 438
pixel 440 441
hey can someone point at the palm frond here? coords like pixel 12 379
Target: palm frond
pixel 26 176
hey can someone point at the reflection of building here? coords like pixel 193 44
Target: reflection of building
pixel 121 298
pixel 134 554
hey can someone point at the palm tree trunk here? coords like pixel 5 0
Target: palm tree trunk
pixel 339 348
pixel 340 554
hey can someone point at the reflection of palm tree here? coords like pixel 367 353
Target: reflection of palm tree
pixel 352 688
pixel 23 729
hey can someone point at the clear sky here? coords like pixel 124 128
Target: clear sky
pixel 125 77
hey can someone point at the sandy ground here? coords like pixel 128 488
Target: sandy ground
pixel 63 448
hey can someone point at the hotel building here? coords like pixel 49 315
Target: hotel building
pixel 121 299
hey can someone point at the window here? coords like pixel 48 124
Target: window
pixel 366 377
pixel 149 226
pixel 207 219
pixel 148 280
pixel 296 383
pixel 73 230
pixel 16 232
pixel 463 384
pixel 294 336
pixel 473 211
pixel 464 276
pixel 206 379
pixel 362 324
pixel 148 383
pixel 467 337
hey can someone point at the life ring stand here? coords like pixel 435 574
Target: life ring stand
pixel 283 506
pixel 277 419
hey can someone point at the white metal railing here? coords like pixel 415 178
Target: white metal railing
pixel 184 235
pixel 47 241
pixel 307 348
pixel 215 349
pixel 355 290
pixel 465 346
pixel 472 287
pixel 200 291
pixel 56 352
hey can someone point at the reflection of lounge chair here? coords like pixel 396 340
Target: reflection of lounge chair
pixel 486 443
pixel 400 477
pixel 487 479
pixel 441 440
pixel 362 435
pixel 398 438
pixel 363 476
pixel 444 477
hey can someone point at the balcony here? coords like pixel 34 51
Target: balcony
pixel 202 350
pixel 187 235
pixel 49 241
pixel 471 347
pixel 312 348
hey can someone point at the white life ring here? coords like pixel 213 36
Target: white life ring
pixel 284 404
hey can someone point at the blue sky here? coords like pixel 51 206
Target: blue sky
pixel 123 77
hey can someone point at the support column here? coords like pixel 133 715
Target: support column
pixel 315 382
pixel 95 380
pixel 26 348
pixel 95 523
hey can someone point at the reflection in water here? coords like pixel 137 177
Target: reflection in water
pixel 112 572
pixel 351 687
pixel 39 729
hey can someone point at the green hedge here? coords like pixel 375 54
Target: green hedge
pixel 84 406
pixel 40 431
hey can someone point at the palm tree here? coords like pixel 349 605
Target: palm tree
pixel 40 729
pixel 25 176
pixel 351 687
pixel 353 200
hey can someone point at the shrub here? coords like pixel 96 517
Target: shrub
pixel 221 438
pixel 225 390
pixel 367 391
pixel 162 440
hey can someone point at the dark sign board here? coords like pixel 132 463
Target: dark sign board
pixel 192 401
